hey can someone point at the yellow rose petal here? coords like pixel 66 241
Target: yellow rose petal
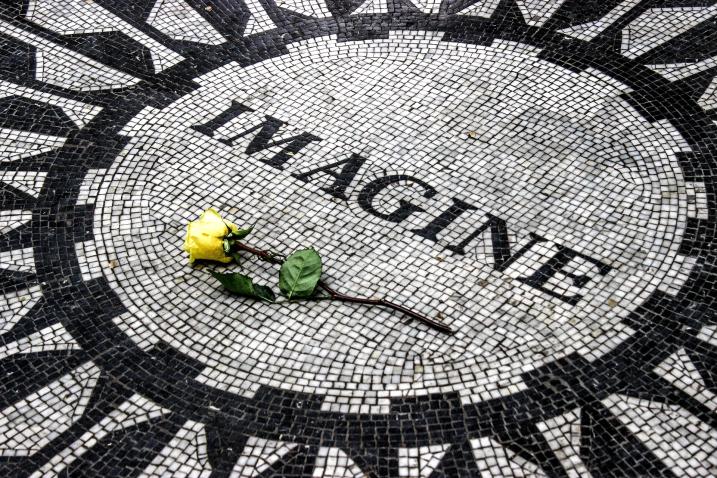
pixel 211 223
pixel 209 248
pixel 205 237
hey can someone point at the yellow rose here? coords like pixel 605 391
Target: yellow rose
pixel 205 237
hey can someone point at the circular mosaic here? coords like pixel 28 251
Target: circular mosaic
pixel 537 176
pixel 452 197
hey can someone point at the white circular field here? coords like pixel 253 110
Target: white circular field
pixel 551 152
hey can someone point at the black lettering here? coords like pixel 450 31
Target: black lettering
pixel 234 110
pixel 262 140
pixel 405 209
pixel 555 265
pixel 500 243
pixel 343 178
pixel 433 228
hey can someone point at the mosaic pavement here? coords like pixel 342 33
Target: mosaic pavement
pixel 537 174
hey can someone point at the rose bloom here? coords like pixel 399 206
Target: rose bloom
pixel 205 237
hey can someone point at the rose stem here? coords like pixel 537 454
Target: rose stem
pixel 275 259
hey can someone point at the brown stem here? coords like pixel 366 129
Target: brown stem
pixel 265 255
pixel 335 295
pixel 390 305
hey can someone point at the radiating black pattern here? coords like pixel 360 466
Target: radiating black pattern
pixel 539 175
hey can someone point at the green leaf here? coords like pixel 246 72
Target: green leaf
pixel 300 273
pixel 226 245
pixel 243 285
pixel 264 292
pixel 240 233
pixel 237 258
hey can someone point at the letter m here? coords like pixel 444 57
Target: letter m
pixel 264 138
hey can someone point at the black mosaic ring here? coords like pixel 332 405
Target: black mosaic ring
pixel 548 191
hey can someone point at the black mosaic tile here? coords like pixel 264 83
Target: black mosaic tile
pixel 537 175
